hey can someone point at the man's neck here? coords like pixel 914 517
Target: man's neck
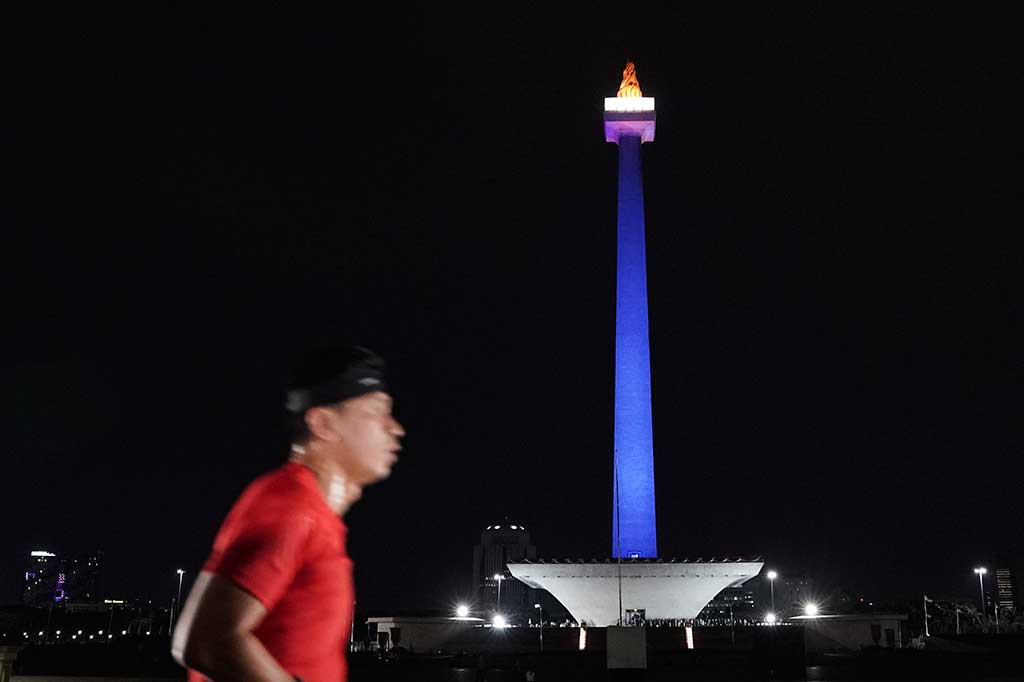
pixel 338 489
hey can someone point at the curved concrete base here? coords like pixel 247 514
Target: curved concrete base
pixel 666 590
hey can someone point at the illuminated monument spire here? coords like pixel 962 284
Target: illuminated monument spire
pixel 629 122
pixel 599 592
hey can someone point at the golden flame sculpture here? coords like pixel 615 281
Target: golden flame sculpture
pixel 630 86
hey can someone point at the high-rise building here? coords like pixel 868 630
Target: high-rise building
pixel 42 574
pixel 51 579
pixel 500 544
pixel 1005 592
pixel 82 577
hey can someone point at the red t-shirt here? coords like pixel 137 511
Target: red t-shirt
pixel 284 545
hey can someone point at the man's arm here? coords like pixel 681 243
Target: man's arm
pixel 214 634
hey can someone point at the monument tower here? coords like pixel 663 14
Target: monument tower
pixel 634 580
pixel 629 122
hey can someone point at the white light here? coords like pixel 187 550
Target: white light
pixel 40 633
pixel 811 609
pixel 124 632
pixel 58 632
pixel 536 606
pixel 515 527
pixel 462 611
pixel 499 622
pixel 79 632
pixel 689 636
pixel 41 553
pixel 769 618
pixel 497 527
pixel 91 636
pixel 625 104
pixel 981 571
pixel 583 639
pixel 498 576
pixel 100 632
pixel 74 636
pixel 772 575
pixel 180 572
pixel 110 637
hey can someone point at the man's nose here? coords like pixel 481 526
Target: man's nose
pixel 396 428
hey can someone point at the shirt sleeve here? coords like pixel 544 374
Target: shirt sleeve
pixel 264 555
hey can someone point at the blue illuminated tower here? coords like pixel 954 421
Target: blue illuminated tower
pixel 629 122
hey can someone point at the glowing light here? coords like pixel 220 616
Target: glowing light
pixel 811 609
pixel 499 622
pixel 110 636
pixel 462 611
pixel 74 636
pixel 628 104
pixel 180 572
pixel 514 527
pixel 689 636
pixel 772 575
pixel 40 633
pixel 583 639
pixel 981 571
pixel 498 576
pixel 770 618
pixel 42 553
pixel 124 632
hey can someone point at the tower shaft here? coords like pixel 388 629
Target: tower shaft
pixel 634 523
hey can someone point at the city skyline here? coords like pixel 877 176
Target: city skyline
pixel 834 342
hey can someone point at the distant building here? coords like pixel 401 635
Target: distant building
pixel 82 577
pixel 41 579
pixel 792 593
pixel 737 604
pixel 50 579
pixel 499 545
pixel 1005 591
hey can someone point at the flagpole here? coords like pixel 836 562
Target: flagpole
pixel 926 616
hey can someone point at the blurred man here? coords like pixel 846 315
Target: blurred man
pixel 274 602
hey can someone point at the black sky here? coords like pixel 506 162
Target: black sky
pixel 834 287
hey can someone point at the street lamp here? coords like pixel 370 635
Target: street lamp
pixel 181 574
pixel 499 577
pixel 981 581
pixel 538 607
pixel 772 575
pixel 462 611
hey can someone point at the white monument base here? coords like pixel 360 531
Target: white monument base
pixel 661 589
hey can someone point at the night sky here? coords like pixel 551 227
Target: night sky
pixel 834 295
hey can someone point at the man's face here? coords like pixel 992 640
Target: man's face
pixel 367 434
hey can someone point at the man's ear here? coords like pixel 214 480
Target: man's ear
pixel 318 421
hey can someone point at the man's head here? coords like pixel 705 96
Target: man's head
pixel 338 403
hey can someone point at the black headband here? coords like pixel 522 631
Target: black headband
pixel 352 383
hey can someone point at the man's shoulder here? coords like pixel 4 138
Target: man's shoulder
pixel 284 486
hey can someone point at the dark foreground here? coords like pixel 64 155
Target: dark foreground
pixel 149 659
